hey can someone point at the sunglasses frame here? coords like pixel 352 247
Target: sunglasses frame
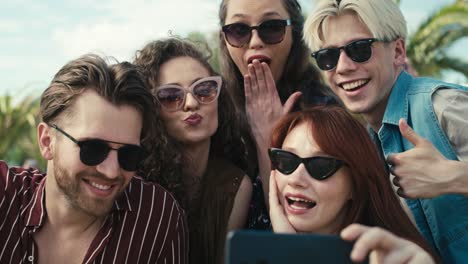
pixel 217 79
pixel 258 27
pixel 338 163
pixel 81 143
pixel 345 48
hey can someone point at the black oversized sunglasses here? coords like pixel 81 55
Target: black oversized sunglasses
pixel 359 51
pixel 318 167
pixel 205 91
pixel 95 151
pixel 270 32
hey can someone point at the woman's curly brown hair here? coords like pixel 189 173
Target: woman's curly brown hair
pixel 166 160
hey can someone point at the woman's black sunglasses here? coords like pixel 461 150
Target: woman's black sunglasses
pixel 318 168
pixel 269 31
pixel 358 50
pixel 95 151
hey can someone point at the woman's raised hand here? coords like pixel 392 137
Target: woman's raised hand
pixel 279 221
pixel 263 108
pixel 262 103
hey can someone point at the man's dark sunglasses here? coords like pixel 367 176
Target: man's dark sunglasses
pixel 318 168
pixel 269 31
pixel 359 51
pixel 95 151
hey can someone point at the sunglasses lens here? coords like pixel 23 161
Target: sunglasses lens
pixel 321 168
pixel 206 92
pixel 318 168
pixel 171 98
pixel 272 31
pixel 327 58
pixel 93 152
pixel 237 34
pixel 359 51
pixel 130 157
pixel 284 161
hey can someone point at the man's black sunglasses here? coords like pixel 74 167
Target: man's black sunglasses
pixel 318 168
pixel 359 51
pixel 95 151
pixel 270 32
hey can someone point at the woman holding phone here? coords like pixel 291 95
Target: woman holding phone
pixel 328 179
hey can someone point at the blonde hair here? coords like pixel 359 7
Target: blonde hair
pixel 383 18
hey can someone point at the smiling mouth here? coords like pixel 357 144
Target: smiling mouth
pixel 352 86
pixel 100 187
pixel 297 203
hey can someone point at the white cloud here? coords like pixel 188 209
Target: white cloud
pixel 39 37
pixel 130 24
pixel 10 26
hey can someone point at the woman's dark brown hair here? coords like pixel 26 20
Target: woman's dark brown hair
pixel 164 166
pixel 299 73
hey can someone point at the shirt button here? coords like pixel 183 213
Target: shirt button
pixel 31 258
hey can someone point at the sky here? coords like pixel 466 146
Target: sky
pixel 38 37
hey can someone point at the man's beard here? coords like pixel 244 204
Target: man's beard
pixel 71 188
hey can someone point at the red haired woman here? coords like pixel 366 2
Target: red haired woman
pixel 328 175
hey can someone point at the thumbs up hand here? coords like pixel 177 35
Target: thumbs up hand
pixel 421 172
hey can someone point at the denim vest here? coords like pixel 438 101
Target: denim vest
pixel 442 220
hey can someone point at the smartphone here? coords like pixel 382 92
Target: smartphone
pixel 262 247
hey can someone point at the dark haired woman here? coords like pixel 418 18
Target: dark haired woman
pixel 202 165
pixel 268 71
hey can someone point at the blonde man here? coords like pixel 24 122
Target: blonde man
pixel 360 46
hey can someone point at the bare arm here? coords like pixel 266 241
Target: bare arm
pixel 240 208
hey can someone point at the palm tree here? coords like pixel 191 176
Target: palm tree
pixel 18 139
pixel 427 47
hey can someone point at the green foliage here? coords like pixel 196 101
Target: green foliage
pixel 427 48
pixel 209 43
pixel 18 139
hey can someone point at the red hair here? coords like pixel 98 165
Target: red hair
pixel 340 135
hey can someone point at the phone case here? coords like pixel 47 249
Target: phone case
pixel 260 247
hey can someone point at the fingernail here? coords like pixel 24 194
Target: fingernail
pixel 405 124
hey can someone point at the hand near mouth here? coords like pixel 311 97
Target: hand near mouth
pixel 279 221
pixel 262 103
pixel 263 108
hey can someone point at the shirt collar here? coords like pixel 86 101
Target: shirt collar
pixel 397 106
pixel 35 210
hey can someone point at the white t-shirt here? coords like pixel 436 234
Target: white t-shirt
pixel 451 109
